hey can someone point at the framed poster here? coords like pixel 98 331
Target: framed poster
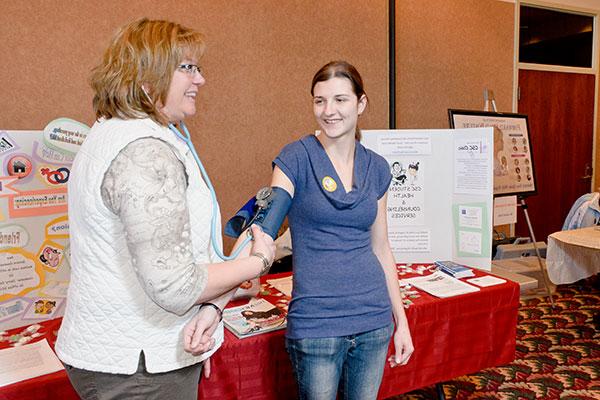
pixel 513 159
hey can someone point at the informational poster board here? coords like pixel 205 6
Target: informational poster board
pixel 34 228
pixel 513 158
pixel 440 198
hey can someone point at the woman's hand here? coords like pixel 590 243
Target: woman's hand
pixel 263 244
pixel 403 346
pixel 197 333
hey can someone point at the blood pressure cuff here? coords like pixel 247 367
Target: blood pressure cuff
pixel 269 218
pixel 236 225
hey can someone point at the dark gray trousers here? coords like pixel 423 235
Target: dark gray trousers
pixel 180 384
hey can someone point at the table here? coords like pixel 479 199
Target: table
pixel 573 255
pixel 452 337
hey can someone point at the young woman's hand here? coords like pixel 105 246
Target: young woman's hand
pixel 403 346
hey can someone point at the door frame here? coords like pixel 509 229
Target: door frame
pixel 595 13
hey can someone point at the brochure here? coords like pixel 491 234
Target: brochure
pixel 284 285
pixel 441 285
pixel 27 361
pixel 454 269
pixel 485 281
pixel 256 317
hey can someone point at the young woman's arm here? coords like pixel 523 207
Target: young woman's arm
pixel 403 346
pixel 281 180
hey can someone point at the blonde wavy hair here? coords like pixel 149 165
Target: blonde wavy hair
pixel 144 52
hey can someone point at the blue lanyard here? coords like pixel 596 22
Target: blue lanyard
pixel 213 223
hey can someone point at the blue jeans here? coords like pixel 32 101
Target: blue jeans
pixel 355 363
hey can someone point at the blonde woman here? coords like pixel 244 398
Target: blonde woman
pixel 146 292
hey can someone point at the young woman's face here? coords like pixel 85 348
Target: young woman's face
pixel 181 97
pixel 336 107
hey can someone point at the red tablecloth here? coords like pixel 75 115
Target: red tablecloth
pixel 452 337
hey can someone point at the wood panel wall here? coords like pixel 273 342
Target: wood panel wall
pixel 260 59
pixel 259 63
pixel 448 52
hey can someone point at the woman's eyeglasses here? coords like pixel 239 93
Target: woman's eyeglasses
pixel 190 69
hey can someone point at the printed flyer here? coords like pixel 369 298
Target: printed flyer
pixel 512 154
pixel 440 197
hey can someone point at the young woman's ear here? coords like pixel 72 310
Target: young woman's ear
pixel 362 104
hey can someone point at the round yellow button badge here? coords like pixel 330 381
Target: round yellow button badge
pixel 329 184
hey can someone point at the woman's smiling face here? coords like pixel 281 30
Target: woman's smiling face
pixel 181 97
pixel 336 107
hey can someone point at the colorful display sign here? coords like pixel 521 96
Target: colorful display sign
pixel 34 226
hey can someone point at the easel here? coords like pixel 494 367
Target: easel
pixel 488 96
pixel 537 251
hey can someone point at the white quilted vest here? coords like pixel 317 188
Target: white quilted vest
pixel 109 319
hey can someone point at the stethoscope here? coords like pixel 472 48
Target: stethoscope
pixel 213 223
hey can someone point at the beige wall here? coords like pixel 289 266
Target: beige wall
pixel 448 52
pixel 260 60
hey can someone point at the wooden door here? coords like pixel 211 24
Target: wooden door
pixel 560 107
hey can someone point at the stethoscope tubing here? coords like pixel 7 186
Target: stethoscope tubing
pixel 213 222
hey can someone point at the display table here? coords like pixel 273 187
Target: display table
pixel 573 255
pixel 452 337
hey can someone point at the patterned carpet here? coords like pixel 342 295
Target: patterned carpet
pixel 558 353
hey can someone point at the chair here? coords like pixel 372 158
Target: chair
pixel 584 212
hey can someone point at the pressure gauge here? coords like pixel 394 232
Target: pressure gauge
pixel 263 196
